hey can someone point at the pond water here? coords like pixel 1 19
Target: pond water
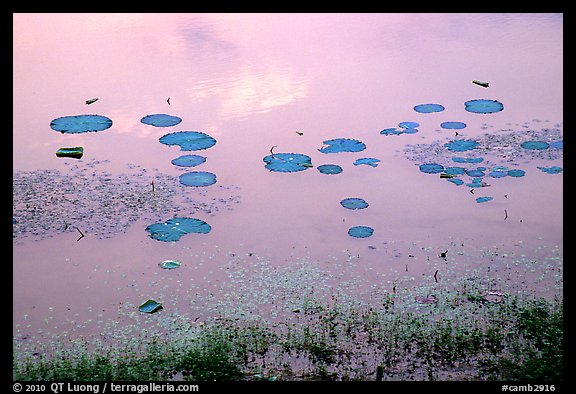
pixel 265 84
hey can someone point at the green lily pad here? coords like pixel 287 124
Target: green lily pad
pixel 150 306
pixel 75 152
pixel 169 264
pixel 81 124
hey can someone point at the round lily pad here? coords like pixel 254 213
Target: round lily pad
pixel 431 168
pixel 410 130
pixel 81 123
pixel 370 161
pixel 408 125
pixel 197 178
pixel 354 203
pixel 360 231
pixel 150 306
pixel 188 160
pixel 342 145
pixel 535 145
pixel 483 106
pixel 475 172
pixel 484 199
pixel 330 169
pixel 428 108
pixel 391 131
pixel 453 125
pixel 172 229
pixel 461 145
pixel 189 140
pixel 455 181
pixel 551 170
pixel 468 159
pixel 498 174
pixel 161 120
pixel 516 173
pixel 287 162
pixel 455 170
pixel 557 144
pixel 169 264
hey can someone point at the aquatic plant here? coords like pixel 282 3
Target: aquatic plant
pixel 551 170
pixel 189 140
pixel 483 106
pixel 535 145
pixel 197 178
pixel 428 108
pixel 329 169
pixel 391 131
pixel 431 168
pixel 484 199
pixel 408 125
pixel 354 203
pixel 80 124
pixel 173 229
pixel 188 160
pixel 453 125
pixel 461 145
pixel 337 145
pixel 161 120
pixel 360 231
pixel 287 162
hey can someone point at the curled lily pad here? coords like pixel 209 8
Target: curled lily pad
pixel 198 178
pixel 342 145
pixel 428 108
pixel 410 130
pixel 172 229
pixel 360 231
pixel 76 152
pixel 453 125
pixel 188 160
pixel 287 162
pixel 431 168
pixel 551 170
pixel 354 203
pixel 535 145
pixel 371 161
pixel 461 145
pixel 483 106
pixel 330 169
pixel 169 264
pixel 150 306
pixel 80 123
pixel 189 140
pixel 484 199
pixel 161 120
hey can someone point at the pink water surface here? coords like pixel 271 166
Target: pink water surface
pixel 251 81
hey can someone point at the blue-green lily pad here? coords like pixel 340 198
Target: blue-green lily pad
pixel 475 172
pixel 468 159
pixel 188 160
pixel 461 145
pixel 354 203
pixel 197 178
pixel 535 145
pixel 516 173
pixel 557 144
pixel 453 125
pixel 169 264
pixel 161 120
pixel 483 106
pixel 551 170
pixel 498 173
pixel 431 168
pixel 456 181
pixel 330 169
pixel 81 124
pixel 75 152
pixel 428 108
pixel 189 140
pixel 287 162
pixel 391 131
pixel 408 125
pixel 484 199
pixel 172 229
pixel 150 306
pixel 371 161
pixel 410 130
pixel 455 170
pixel 342 145
pixel 360 231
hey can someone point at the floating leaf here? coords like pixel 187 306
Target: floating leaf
pixel 392 131
pixel 455 170
pixel 410 131
pixel 360 231
pixel 172 229
pixel 169 264
pixel 408 125
pixel 484 199
pixel 483 106
pixel 535 145
pixel 161 120
pixel 76 152
pixel 197 178
pixel 342 145
pixel 431 168
pixel 461 145
pixel 91 101
pixel 453 125
pixel 480 83
pixel 516 173
pixel 354 203
pixel 330 169
pixel 287 162
pixel 428 108
pixel 498 173
pixel 551 170
pixel 188 160
pixel 81 123
pixel 189 140
pixel 150 306
pixel 475 172
pixel 456 181
pixel 557 144
pixel 468 159
pixel 368 161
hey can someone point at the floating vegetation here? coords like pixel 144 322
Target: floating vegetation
pixel 408 125
pixel 169 264
pixel 81 124
pixel 480 83
pixel 360 231
pixel 287 162
pixel 161 120
pixel 173 229
pixel 370 161
pixel 535 145
pixel 91 101
pixel 551 170
pixel 342 145
pixel 461 145
pixel 197 178
pixel 189 140
pixel 458 159
pixel 431 168
pixel 329 169
pixel 483 106
pixel 188 160
pixel 76 152
pixel 392 131
pixel 516 173
pixel 484 199
pixel 428 108
pixel 102 204
pixel 150 306
pixel 453 125
pixel 354 203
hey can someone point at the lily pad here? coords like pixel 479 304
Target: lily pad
pixel 461 145
pixel 161 120
pixel 483 106
pixel 371 161
pixel 76 152
pixel 354 203
pixel 197 178
pixel 342 145
pixel 557 144
pixel 455 170
pixel 453 125
pixel 431 168
pixel 551 170
pixel 475 172
pixel 81 124
pixel 169 264
pixel 467 159
pixel 535 145
pixel 516 173
pixel 484 199
pixel 456 181
pixel 188 160
pixel 428 108
pixel 330 169
pixel 172 229
pixel 391 131
pixel 150 306
pixel 360 231
pixel 410 130
pixel 408 125
pixel 189 140
pixel 287 162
